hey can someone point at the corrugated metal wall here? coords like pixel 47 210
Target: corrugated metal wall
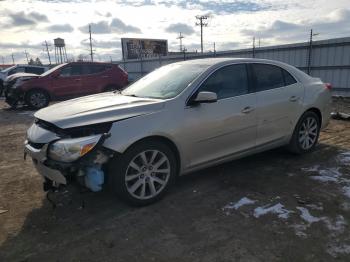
pixel 330 60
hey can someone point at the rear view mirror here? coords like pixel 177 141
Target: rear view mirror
pixel 206 97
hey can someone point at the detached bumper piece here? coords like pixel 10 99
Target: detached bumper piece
pixel 87 171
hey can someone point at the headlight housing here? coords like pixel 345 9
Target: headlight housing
pixel 69 150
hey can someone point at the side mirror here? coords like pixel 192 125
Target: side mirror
pixel 205 97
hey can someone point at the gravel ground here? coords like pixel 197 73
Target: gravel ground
pixel 273 206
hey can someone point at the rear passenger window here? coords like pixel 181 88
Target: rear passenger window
pixel 228 81
pixel 267 77
pixel 93 69
pixel 288 78
pixel 34 70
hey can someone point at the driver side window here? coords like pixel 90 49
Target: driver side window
pixel 228 81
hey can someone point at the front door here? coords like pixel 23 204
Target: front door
pixel 228 126
pixel 69 82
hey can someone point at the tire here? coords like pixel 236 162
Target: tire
pixel 306 133
pixel 37 99
pixel 137 182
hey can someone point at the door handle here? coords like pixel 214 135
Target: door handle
pixel 77 80
pixel 247 110
pixel 105 76
pixel 293 98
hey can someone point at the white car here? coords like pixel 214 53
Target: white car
pixel 26 69
pixel 180 118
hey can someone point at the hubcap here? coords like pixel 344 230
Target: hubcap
pixel 147 174
pixel 308 133
pixel 38 99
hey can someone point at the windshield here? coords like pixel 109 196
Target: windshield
pixel 165 82
pixel 52 69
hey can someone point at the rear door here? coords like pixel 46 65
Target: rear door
pixel 69 81
pixel 279 98
pixel 95 78
pixel 228 126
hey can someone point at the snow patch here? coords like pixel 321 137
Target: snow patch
pixel 346 191
pixel 244 201
pixel 275 209
pixel 338 226
pixel 344 158
pixel 306 216
pixel 311 169
pixel 328 175
pixel 315 207
pixel 334 250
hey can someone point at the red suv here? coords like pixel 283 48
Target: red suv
pixel 66 81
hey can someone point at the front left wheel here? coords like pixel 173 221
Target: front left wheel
pixel 144 173
pixel 37 99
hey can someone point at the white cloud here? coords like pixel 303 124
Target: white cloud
pixel 231 25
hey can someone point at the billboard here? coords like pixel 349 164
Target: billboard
pixel 136 48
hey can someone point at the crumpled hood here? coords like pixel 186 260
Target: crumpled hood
pixel 100 108
pixel 19 75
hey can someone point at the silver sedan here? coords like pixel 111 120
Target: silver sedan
pixel 180 118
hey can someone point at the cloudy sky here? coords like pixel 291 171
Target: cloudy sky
pixel 26 24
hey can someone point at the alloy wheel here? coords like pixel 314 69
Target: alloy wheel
pixel 308 133
pixel 37 99
pixel 147 174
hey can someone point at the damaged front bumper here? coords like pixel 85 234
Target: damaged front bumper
pixel 87 171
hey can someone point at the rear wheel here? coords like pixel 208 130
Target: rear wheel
pixel 37 99
pixel 143 174
pixel 306 133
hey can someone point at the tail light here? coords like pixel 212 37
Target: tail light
pixel 328 86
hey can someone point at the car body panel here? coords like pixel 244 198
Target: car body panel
pixel 105 107
pixel 204 134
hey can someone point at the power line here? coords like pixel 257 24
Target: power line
pixel 202 24
pixel 180 37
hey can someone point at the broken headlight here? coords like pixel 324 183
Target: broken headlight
pixel 69 150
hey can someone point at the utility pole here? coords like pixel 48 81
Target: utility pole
pixel 180 37
pixel 214 50
pixel 202 24
pixel 13 59
pixel 253 46
pixel 259 41
pixel 310 52
pixel 25 51
pixel 47 51
pixel 91 53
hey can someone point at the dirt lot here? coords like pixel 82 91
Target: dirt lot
pixel 269 207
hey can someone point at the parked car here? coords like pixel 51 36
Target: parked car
pixel 30 69
pixel 67 81
pixel 180 118
pixel 16 79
